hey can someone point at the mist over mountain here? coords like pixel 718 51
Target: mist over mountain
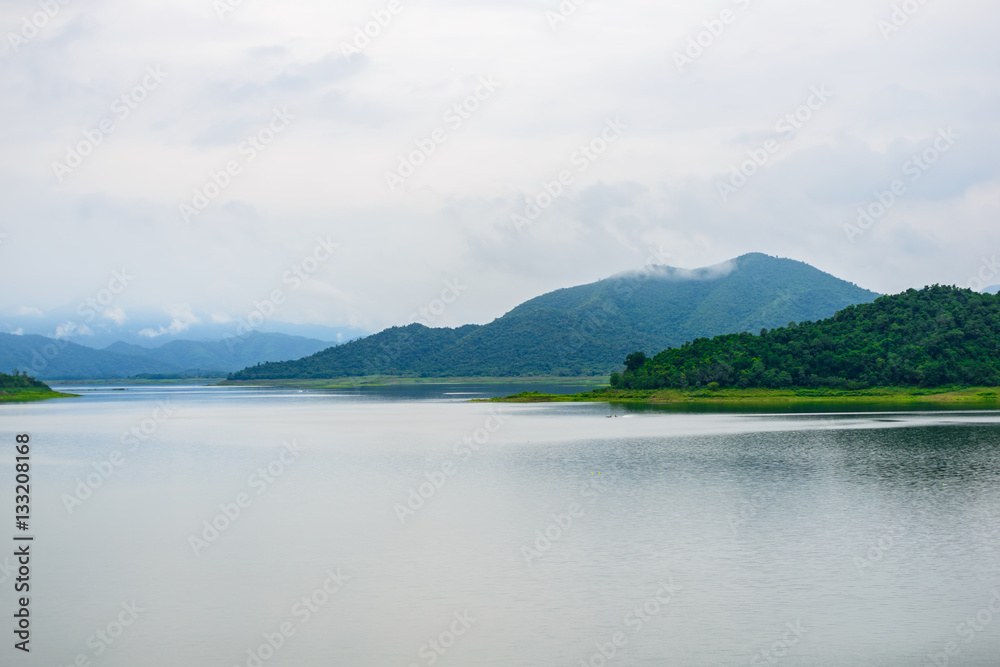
pixel 94 326
pixel 588 329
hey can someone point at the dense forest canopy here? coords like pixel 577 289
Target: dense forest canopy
pixel 20 381
pixel 931 337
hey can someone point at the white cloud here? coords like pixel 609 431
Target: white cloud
pixel 116 315
pixel 655 186
pixel 182 320
pixel 69 329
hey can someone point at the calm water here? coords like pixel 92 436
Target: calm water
pixel 544 534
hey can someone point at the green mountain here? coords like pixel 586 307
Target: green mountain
pixel 588 330
pixel 51 359
pixel 937 336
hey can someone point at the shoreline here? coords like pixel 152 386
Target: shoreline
pixel 135 382
pixel 384 381
pixel 981 396
pixel 29 396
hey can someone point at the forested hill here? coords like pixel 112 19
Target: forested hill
pixel 20 381
pixel 930 337
pixel 588 330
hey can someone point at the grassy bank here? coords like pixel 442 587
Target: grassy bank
pixel 979 396
pixel 27 394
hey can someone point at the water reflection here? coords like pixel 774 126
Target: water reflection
pixel 700 539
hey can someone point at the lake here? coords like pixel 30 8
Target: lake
pixel 407 526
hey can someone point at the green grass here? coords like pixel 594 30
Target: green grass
pixel 25 395
pixel 983 396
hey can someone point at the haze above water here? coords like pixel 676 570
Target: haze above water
pixel 698 539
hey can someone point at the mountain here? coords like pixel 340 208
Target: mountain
pixel 53 359
pixel 993 289
pixel 933 337
pixel 226 355
pixel 588 330
pixel 93 327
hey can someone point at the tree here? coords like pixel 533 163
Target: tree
pixel 635 361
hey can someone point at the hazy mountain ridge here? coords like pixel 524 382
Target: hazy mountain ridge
pixel 588 329
pixel 52 359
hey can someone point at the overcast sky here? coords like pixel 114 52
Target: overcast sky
pixel 312 121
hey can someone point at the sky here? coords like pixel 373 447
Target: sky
pixel 166 165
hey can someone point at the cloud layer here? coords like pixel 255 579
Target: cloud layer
pixel 204 146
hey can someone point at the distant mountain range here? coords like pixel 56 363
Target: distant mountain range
pixel 55 359
pixel 97 328
pixel 589 329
